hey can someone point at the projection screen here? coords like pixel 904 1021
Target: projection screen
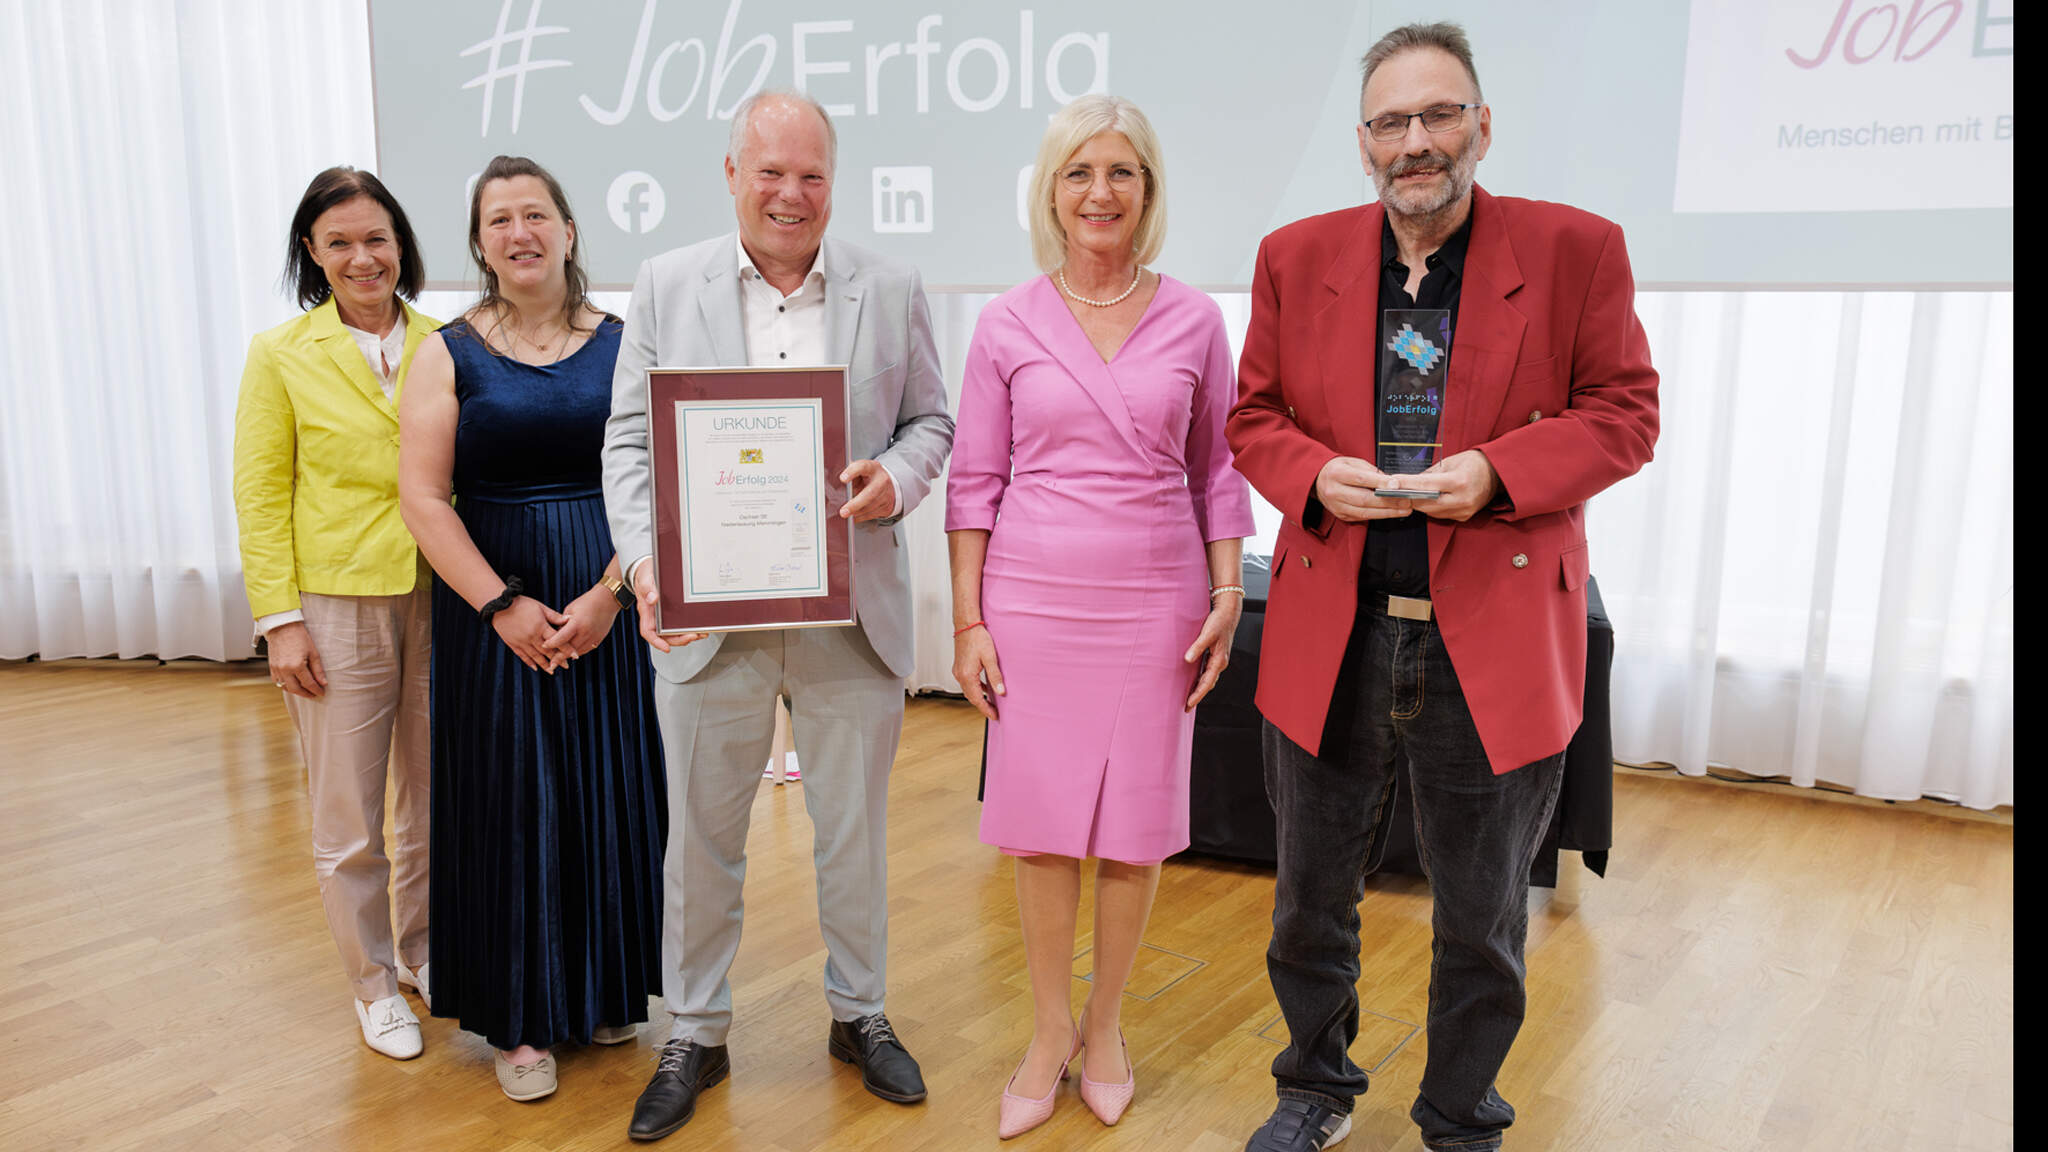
pixel 1741 143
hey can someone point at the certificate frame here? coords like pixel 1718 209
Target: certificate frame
pixel 673 391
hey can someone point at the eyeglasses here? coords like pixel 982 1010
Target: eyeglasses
pixel 1080 177
pixel 1441 118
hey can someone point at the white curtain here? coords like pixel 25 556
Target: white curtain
pixel 1813 579
pixel 157 151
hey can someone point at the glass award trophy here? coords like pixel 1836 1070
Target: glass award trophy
pixel 1415 351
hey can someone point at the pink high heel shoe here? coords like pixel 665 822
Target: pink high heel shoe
pixel 1108 1101
pixel 1020 1114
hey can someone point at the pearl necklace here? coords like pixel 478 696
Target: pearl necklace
pixel 1061 276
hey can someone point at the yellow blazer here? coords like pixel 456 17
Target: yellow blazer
pixel 316 465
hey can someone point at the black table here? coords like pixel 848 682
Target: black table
pixel 1231 817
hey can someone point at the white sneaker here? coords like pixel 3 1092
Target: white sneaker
pixel 417 981
pixel 390 1027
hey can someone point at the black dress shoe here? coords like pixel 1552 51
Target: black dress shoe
pixel 685 1068
pixel 885 1068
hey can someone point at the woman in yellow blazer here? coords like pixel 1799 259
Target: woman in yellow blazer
pixel 334 580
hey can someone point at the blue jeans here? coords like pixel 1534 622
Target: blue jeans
pixel 1401 715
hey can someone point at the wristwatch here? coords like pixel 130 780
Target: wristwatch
pixel 619 591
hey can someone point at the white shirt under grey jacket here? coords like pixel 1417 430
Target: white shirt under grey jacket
pixel 688 312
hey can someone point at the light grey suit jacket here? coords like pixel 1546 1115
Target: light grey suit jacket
pixel 686 314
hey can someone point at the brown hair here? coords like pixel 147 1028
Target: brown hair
pixel 578 296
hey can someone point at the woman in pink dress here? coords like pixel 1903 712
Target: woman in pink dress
pixel 1095 526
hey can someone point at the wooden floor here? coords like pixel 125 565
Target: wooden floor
pixel 1762 970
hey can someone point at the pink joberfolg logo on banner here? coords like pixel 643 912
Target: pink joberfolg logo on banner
pixel 1846 105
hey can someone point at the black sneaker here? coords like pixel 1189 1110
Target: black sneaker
pixel 1299 1126
pixel 683 1069
pixel 886 1069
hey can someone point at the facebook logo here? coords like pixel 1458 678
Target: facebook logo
pixel 635 202
pixel 903 199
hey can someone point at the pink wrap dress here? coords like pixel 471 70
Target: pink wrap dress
pixel 1100 484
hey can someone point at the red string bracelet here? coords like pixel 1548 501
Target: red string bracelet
pixel 958 632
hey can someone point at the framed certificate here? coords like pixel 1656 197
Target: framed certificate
pixel 747 532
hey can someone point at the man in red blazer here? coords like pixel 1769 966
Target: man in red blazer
pixel 1438 640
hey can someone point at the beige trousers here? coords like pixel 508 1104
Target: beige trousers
pixel 372 720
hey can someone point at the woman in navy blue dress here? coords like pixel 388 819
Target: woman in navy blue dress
pixel 548 809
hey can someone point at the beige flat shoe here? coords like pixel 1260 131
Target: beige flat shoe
pixel 609 1034
pixel 526 1081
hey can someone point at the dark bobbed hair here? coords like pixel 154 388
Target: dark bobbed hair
pixel 490 300
pixel 303 275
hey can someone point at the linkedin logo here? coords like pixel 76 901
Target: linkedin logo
pixel 636 203
pixel 903 199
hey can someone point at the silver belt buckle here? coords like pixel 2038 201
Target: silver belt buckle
pixel 1408 608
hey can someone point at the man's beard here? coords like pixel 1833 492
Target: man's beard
pixel 1422 203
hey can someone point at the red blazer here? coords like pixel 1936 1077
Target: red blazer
pixel 1550 376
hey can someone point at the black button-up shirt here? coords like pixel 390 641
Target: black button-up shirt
pixel 1397 551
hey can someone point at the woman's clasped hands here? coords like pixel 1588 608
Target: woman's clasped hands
pixel 546 640
pixel 585 624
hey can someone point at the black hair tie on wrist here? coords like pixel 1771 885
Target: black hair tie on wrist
pixel 513 588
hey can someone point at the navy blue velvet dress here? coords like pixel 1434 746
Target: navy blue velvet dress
pixel 549 811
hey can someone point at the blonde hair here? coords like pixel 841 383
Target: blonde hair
pixel 1071 127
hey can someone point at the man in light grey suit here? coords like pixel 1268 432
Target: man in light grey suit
pixel 781 293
